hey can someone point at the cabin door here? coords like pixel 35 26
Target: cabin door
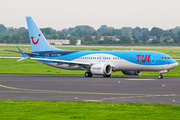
pixel 153 59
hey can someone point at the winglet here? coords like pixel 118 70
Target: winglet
pixel 23 54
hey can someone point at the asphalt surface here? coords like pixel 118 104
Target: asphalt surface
pixel 113 89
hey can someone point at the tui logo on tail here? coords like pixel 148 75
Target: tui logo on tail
pixel 36 41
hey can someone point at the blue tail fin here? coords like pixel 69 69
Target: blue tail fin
pixel 37 39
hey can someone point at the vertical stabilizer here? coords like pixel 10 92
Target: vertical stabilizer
pixel 37 39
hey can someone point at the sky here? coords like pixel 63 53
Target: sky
pixel 60 14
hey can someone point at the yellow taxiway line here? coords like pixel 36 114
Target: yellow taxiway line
pixel 67 92
pixel 73 92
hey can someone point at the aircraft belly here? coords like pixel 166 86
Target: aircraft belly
pixel 129 66
pixel 124 65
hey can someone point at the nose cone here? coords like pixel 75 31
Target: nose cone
pixel 176 64
pixel 173 64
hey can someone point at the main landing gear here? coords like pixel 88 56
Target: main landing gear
pixel 88 74
pixel 107 75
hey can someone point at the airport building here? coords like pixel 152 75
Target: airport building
pixel 102 38
pixel 62 42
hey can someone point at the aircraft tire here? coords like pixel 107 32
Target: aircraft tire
pixel 107 75
pixel 88 74
pixel 160 77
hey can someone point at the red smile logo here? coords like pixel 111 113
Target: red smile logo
pixel 36 41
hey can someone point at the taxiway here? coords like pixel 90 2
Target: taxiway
pixel 113 89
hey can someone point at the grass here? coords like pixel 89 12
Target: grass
pixel 29 66
pixel 173 51
pixel 17 110
pixel 50 110
pixel 34 67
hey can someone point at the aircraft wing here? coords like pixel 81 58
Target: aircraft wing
pixel 20 52
pixel 64 61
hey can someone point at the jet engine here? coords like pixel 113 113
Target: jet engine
pixel 132 72
pixel 101 69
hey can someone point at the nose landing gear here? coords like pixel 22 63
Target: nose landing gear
pixel 161 72
pixel 160 76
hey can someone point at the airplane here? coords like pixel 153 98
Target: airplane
pixel 95 62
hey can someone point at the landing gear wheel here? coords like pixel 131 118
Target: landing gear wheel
pixel 107 75
pixel 160 76
pixel 88 74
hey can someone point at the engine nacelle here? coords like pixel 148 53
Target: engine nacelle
pixel 101 69
pixel 132 72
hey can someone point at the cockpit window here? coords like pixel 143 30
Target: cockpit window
pixel 164 58
pixel 169 58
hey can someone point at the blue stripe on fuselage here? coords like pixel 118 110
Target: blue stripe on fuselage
pixel 145 57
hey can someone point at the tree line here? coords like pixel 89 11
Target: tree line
pixel 125 35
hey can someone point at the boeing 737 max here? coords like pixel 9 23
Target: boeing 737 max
pixel 95 62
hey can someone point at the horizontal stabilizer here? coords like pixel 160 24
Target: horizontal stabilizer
pixel 23 54
pixel 22 59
